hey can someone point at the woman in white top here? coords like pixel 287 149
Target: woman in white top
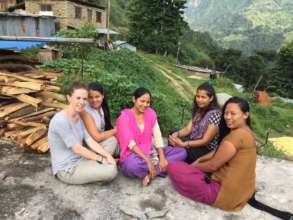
pixel 73 163
pixel 97 120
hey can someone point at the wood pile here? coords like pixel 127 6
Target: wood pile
pixel 27 103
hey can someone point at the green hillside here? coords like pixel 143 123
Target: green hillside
pixel 121 72
pixel 243 24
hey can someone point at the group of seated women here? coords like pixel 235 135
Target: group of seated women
pixel 206 160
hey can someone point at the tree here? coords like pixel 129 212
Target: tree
pixel 285 70
pixel 156 25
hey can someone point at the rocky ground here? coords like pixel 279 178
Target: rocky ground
pixel 29 191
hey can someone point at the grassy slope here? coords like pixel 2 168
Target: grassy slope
pixel 121 72
pixel 278 116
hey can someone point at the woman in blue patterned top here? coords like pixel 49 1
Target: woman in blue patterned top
pixel 200 136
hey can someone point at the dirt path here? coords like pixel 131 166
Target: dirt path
pixel 181 85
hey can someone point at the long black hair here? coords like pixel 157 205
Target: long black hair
pixel 206 86
pixel 95 86
pixel 244 107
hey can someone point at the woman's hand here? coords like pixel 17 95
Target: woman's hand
pixel 171 140
pixel 175 134
pixel 175 141
pixel 197 161
pixel 152 169
pixel 163 163
pixel 109 160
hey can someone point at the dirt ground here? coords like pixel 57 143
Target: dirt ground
pixel 29 191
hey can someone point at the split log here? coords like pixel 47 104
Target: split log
pixel 27 132
pixel 57 105
pixel 2 123
pixel 44 74
pixel 5 102
pixel 3 97
pixel 2 131
pixel 7 109
pixel 52 88
pixel 33 114
pixel 53 95
pixel 11 134
pixel 22 78
pixel 42 117
pixel 13 126
pixel 39 143
pixel 10 90
pixel 29 99
pixel 26 85
pixel 44 147
pixel 30 124
pixel 38 134
pixel 24 111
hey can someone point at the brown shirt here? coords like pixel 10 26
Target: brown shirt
pixel 237 176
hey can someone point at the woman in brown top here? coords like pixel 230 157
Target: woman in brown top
pixel 232 167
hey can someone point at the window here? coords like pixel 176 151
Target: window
pixel 89 15
pixel 46 7
pixel 77 12
pixel 98 17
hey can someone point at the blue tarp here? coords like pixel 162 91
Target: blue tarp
pixel 20 44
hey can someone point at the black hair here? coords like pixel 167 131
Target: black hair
pixel 206 86
pixel 140 92
pixel 95 86
pixel 244 107
pixel 76 84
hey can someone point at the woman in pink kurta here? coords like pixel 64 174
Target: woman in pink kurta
pixel 142 152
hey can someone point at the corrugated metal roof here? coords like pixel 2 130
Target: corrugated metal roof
pixel 87 4
pixel 198 69
pixel 105 31
pixel 24 14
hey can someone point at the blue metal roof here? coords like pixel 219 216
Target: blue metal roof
pixel 20 44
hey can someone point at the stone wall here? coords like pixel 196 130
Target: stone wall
pixel 65 13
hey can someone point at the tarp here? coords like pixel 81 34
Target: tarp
pixel 19 44
pixel 284 144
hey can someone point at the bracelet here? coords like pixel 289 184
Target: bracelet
pixel 188 144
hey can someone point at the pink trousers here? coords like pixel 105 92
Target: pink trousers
pixel 189 181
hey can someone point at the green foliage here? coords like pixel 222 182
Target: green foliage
pixel 121 72
pixel 31 53
pixel 77 50
pixel 247 25
pixel 155 26
pixel 269 151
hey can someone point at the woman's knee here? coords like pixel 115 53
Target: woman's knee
pixel 112 172
pixel 134 168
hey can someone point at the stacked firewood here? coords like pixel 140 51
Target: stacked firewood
pixel 27 103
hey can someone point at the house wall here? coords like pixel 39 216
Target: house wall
pixel 65 13
pixel 4 4
pixel 18 25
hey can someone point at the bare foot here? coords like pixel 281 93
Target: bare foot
pixel 146 180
